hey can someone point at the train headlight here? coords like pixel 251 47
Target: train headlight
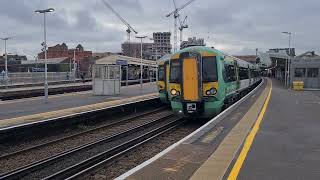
pixel 212 91
pixel 175 92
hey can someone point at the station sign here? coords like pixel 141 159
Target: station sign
pixel 121 62
pixel 38 69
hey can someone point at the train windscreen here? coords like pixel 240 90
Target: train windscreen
pixel 175 72
pixel 161 73
pixel 209 69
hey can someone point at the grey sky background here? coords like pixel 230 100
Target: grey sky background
pixel 236 27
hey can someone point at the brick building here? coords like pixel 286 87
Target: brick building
pixel 82 57
pixel 62 50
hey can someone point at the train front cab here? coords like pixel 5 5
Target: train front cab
pixel 194 87
pixel 163 81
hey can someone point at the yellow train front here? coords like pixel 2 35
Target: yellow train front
pixel 203 80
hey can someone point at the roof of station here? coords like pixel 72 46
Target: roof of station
pixel 49 61
pixel 125 60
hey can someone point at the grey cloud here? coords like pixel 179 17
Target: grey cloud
pixel 241 26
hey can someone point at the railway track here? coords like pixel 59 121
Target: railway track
pixel 78 134
pixel 59 165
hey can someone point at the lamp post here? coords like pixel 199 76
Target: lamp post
pixel 6 60
pixel 74 65
pixel 287 67
pixel 44 11
pixel 141 38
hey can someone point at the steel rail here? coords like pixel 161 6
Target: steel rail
pixel 122 120
pixel 81 168
pixel 19 172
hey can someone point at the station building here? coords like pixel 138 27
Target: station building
pixel 305 67
pixel 130 67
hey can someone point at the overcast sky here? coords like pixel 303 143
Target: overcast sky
pixel 236 27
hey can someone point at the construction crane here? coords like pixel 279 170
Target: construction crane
pixel 175 14
pixel 129 28
pixel 183 25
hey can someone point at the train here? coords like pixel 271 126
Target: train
pixel 198 82
pixel 163 78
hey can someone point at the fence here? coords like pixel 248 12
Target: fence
pixel 35 77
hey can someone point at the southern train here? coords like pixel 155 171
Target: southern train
pixel 200 81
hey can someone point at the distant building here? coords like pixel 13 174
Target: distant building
pixel 134 49
pixel 14 57
pixel 248 58
pixel 161 45
pixel 98 55
pixel 306 68
pixel 13 60
pixel 287 51
pixel 82 58
pixel 192 42
pixel 62 50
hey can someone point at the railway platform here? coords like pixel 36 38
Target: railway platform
pixel 32 110
pixel 272 133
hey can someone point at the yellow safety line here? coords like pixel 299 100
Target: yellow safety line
pixel 249 140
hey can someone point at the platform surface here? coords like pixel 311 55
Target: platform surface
pixel 32 106
pixel 287 145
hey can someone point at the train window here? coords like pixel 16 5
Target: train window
pixel 313 72
pixel 161 73
pixel 175 72
pixel 300 72
pixel 209 69
pixel 243 73
pixel 230 73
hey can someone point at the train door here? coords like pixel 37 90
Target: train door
pixel 190 79
pixel 167 70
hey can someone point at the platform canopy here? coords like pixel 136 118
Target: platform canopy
pixel 125 60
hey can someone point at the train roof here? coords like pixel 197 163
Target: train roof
pixel 204 50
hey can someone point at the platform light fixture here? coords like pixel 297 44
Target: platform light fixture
pixel 6 60
pixel 44 11
pixel 141 38
pixel 287 67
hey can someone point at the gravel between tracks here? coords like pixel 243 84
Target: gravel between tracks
pixel 87 153
pixel 143 153
pixel 46 151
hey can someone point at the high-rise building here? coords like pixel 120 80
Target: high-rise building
pixel 161 45
pixel 133 49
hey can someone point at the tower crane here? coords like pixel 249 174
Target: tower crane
pixel 183 25
pixel 175 14
pixel 129 27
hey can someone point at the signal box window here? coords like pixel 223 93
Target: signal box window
pixel 209 69
pixel 313 72
pixel 300 72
